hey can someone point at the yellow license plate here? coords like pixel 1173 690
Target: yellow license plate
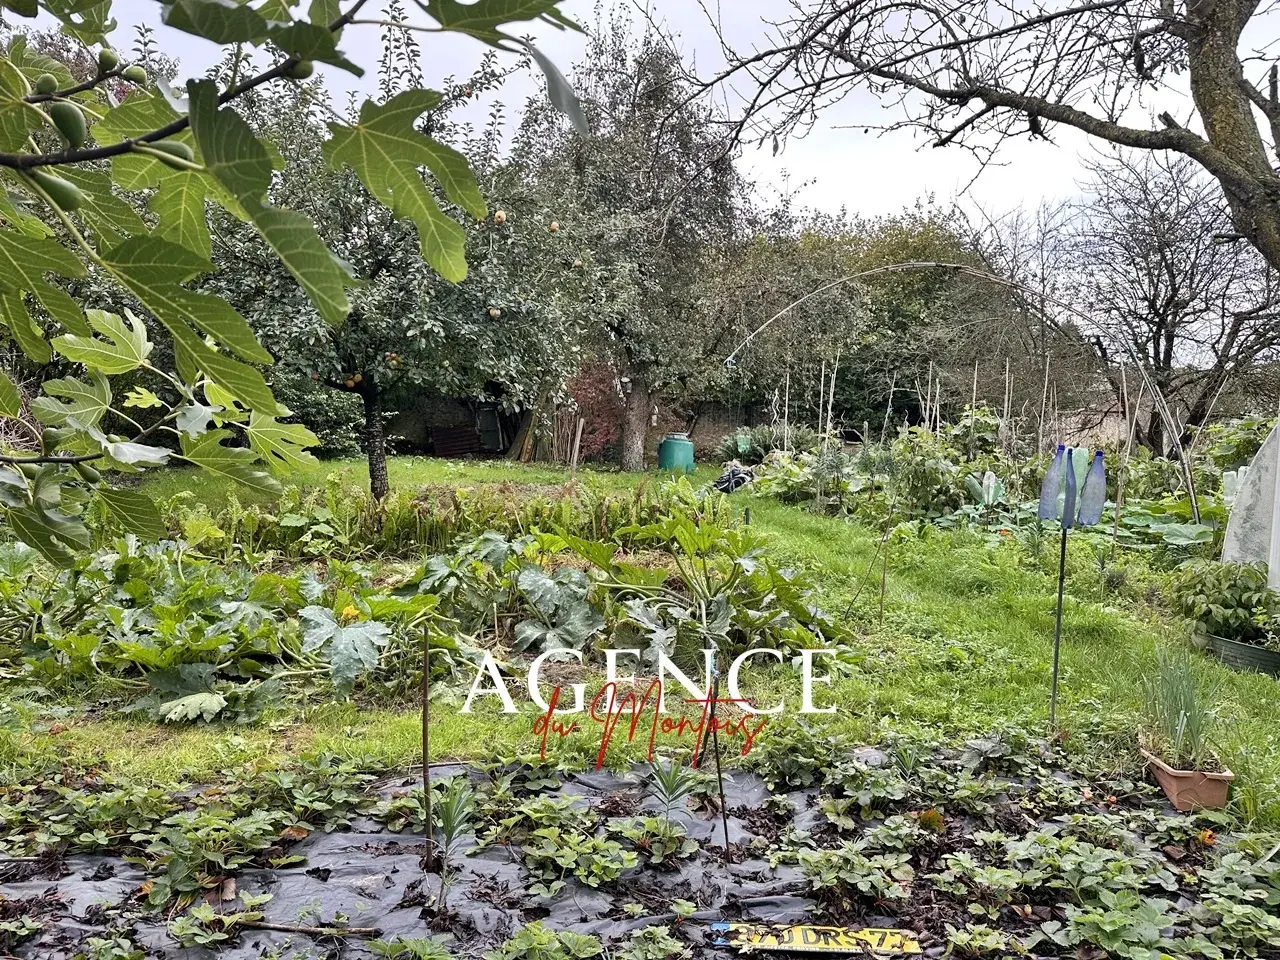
pixel 805 939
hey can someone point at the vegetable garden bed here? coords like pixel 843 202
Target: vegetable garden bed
pixel 992 848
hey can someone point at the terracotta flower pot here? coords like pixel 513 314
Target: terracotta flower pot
pixel 1190 789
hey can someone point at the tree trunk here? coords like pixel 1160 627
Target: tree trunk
pixel 375 441
pixel 635 424
pixel 1236 154
pixel 1155 433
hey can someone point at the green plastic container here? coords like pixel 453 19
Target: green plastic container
pixel 675 453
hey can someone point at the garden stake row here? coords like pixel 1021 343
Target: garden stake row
pixel 1058 501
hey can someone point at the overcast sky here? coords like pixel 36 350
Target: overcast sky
pixel 838 164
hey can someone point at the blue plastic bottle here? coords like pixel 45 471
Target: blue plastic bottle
pixel 1069 501
pixel 1048 509
pixel 1094 496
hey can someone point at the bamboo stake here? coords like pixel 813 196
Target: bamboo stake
pixel 1162 407
pixel 831 401
pixel 1132 423
pixel 1044 401
pixel 822 388
pixel 928 399
pixel 937 404
pixel 973 407
pixel 1008 388
pixel 1057 416
pixel 1004 419
pixel 888 407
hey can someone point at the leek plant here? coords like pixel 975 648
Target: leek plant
pixel 1182 723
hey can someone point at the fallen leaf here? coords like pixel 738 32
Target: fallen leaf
pixel 228 889
pixel 295 833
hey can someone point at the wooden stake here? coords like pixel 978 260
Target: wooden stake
pixel 431 859
pixel 577 445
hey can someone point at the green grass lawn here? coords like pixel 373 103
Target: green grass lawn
pixel 964 648
pixel 405 473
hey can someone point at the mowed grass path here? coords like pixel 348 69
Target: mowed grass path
pixel 964 649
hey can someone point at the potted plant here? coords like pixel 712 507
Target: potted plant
pixel 1234 613
pixel 1177 739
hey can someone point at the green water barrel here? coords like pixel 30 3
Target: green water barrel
pixel 675 452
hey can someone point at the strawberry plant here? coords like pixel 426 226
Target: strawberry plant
pixel 659 840
pixel 534 941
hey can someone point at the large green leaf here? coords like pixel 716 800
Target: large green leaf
pixel 239 162
pixel 224 21
pixel 178 203
pixel 23 8
pixel 281 445
pixel 124 348
pixel 221 21
pixel 55 534
pixel 17 117
pixel 68 399
pixel 311 41
pixel 10 399
pixel 135 512
pixel 237 463
pixel 482 18
pixel 14 315
pixel 351 649
pixel 106 214
pixel 385 151
pixel 153 269
pixel 85 20
pixel 141 112
pixel 25 260
pixel 181 693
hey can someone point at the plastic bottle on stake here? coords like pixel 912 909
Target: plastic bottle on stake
pixel 1048 509
pixel 1094 495
pixel 1069 501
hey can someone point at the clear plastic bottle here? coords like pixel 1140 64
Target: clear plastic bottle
pixel 1068 514
pixel 1048 509
pixel 1094 495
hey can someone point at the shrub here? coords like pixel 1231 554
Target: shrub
pixel 336 418
pixel 1234 444
pixel 1230 600
pixel 751 445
